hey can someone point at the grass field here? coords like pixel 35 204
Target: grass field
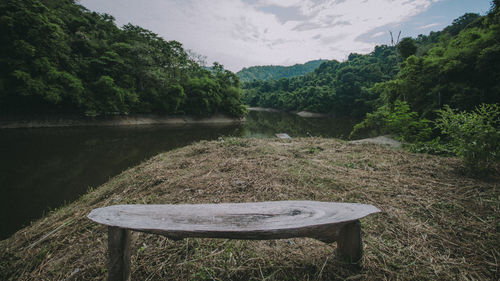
pixel 436 223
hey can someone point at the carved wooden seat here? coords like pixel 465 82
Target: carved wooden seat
pixel 324 221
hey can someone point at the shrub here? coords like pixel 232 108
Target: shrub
pixel 434 147
pixel 397 120
pixel 474 136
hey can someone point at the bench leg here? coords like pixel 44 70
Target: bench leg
pixel 119 254
pixel 349 244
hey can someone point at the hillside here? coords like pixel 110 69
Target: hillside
pixel 436 223
pixel 57 57
pixel 268 72
pixel 339 88
pixel 457 66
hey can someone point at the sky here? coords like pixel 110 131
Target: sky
pixel 243 33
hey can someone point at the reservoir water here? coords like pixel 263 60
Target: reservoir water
pixel 44 168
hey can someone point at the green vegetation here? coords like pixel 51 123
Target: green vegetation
pixel 334 87
pixel 396 120
pixel 407 90
pixel 268 72
pixel 58 57
pixel 407 47
pixel 458 70
pixel 474 136
pixel 455 68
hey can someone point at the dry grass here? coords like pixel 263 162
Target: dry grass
pixel 436 223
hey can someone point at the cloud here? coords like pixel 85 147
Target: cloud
pixel 306 26
pixel 378 34
pixel 429 25
pixel 284 14
pixel 240 33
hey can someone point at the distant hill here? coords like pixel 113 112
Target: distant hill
pixel 267 72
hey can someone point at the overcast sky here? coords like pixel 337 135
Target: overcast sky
pixel 242 33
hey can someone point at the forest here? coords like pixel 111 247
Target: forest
pixel 57 57
pixel 334 87
pixel 458 66
pixel 267 72
pixel 439 92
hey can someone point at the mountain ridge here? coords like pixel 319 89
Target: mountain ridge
pixel 267 72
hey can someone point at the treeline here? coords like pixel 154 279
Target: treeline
pixel 58 57
pixel 334 87
pixel 268 72
pixel 458 66
pixel 445 99
pixel 440 92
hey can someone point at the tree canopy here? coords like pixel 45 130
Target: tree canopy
pixel 268 72
pixel 341 88
pixel 459 66
pixel 58 57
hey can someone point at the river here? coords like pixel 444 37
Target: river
pixel 44 168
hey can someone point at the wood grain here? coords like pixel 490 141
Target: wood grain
pixel 261 220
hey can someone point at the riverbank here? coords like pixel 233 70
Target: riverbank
pixel 304 114
pixel 120 120
pixel 264 109
pixel 436 223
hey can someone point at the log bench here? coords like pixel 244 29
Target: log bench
pixel 325 221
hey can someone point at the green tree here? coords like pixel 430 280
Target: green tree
pixel 337 88
pixel 407 47
pixel 57 57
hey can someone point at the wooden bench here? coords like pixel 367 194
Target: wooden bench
pixel 324 221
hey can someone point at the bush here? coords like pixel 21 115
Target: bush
pixel 474 136
pixel 396 120
pixel 434 147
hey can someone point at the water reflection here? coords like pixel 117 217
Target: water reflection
pixel 43 168
pixel 267 124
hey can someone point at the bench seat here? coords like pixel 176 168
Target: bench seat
pixel 325 221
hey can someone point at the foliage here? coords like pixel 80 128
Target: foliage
pixel 57 57
pixel 474 136
pixel 435 146
pixel 455 66
pixel 458 66
pixel 397 120
pixel 407 47
pixel 268 72
pixel 334 87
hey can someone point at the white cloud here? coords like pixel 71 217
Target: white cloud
pixel 429 25
pixel 378 34
pixel 281 3
pixel 240 33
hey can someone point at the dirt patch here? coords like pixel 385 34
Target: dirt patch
pixel 436 224
pixel 382 140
